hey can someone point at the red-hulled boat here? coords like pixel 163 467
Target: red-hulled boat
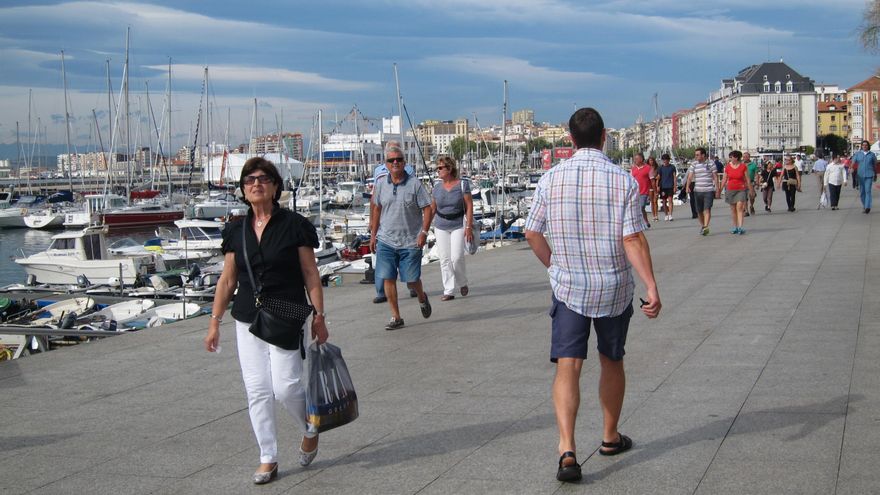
pixel 138 215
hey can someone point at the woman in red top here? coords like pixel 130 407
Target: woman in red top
pixel 736 179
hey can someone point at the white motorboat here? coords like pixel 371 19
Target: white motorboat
pixel 90 212
pixel 12 216
pixel 349 194
pixel 173 258
pixel 219 204
pixel 48 218
pixel 83 253
pixel 205 235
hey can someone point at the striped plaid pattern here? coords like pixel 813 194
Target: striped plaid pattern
pixel 588 205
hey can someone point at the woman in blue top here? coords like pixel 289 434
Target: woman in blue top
pixel 453 209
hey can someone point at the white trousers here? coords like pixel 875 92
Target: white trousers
pixel 450 248
pixel 270 373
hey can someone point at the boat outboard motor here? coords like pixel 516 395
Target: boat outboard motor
pixel 82 281
pixel 194 271
pixel 31 280
pixel 68 320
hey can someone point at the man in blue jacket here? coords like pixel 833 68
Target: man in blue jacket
pixel 865 162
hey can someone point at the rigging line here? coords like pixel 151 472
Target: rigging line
pixel 418 146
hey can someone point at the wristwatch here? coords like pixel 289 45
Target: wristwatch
pixel 423 232
pixel 319 313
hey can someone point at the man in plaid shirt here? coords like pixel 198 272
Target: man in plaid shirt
pixel 589 208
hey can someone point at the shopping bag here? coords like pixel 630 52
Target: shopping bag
pixel 823 200
pixel 331 400
pixel 471 246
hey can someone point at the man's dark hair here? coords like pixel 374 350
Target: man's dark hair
pixel 664 156
pixel 701 150
pixel 866 142
pixel 586 128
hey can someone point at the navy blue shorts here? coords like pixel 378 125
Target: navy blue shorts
pixel 572 330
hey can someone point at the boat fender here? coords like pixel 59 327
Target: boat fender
pixel 155 321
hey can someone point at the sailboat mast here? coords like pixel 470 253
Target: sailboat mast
pixel 127 122
pixel 504 177
pixel 167 164
pixel 400 111
pixel 321 172
pixel 109 109
pixel 67 125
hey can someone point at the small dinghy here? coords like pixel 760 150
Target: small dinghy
pixel 121 313
pixel 167 313
pixel 57 314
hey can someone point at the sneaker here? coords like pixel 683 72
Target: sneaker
pixel 704 231
pixel 426 307
pixel 742 231
pixel 379 299
pixel 394 324
pixel 734 230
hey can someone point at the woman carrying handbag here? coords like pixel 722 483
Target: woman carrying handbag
pixel 275 248
pixel 790 180
pixel 453 208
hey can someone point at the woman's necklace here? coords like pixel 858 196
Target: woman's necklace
pixel 260 221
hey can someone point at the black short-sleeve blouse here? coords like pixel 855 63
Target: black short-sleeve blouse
pixel 274 260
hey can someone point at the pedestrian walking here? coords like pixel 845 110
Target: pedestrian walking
pixel 380 172
pixel 819 167
pixel 667 182
pixel 654 193
pixel 280 246
pixel 865 164
pixel 752 168
pixel 790 179
pixel 736 183
pixel 399 221
pixel 835 178
pixel 704 176
pixel 768 184
pixel 641 171
pixel 590 209
pixel 453 209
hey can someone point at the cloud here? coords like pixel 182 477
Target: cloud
pixel 272 75
pixel 516 71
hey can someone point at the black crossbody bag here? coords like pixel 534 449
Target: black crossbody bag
pixel 279 321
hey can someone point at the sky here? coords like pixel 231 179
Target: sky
pixel 452 56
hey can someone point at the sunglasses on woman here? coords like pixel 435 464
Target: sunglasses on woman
pixel 262 179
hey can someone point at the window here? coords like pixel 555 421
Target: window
pixel 92 247
pixel 833 118
pixel 777 87
pixel 766 86
pixel 789 86
pixel 63 244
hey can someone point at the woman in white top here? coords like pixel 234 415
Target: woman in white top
pixel 835 178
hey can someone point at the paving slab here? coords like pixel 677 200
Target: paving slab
pixel 760 376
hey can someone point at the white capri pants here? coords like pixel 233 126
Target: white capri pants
pixel 450 248
pixel 270 373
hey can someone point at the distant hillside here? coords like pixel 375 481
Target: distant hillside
pixel 10 151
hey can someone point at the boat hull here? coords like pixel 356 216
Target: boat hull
pixel 140 219
pixel 66 271
pixel 50 221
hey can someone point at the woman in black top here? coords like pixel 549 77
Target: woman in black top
pixel 280 248
pixel 791 182
pixel 768 184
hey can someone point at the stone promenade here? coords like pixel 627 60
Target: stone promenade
pixel 761 376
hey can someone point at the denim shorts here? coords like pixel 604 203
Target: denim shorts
pixel 704 200
pixel 390 261
pixel 570 332
pixel 643 201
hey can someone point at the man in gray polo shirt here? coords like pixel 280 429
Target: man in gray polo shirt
pixel 702 176
pixel 400 215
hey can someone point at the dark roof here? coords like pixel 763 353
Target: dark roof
pixel 752 78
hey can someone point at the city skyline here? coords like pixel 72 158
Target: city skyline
pixel 452 58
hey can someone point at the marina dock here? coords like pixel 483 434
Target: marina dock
pixel 760 376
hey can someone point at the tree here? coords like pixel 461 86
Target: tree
pixel 538 143
pixel 869 31
pixel 457 147
pixel 837 145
